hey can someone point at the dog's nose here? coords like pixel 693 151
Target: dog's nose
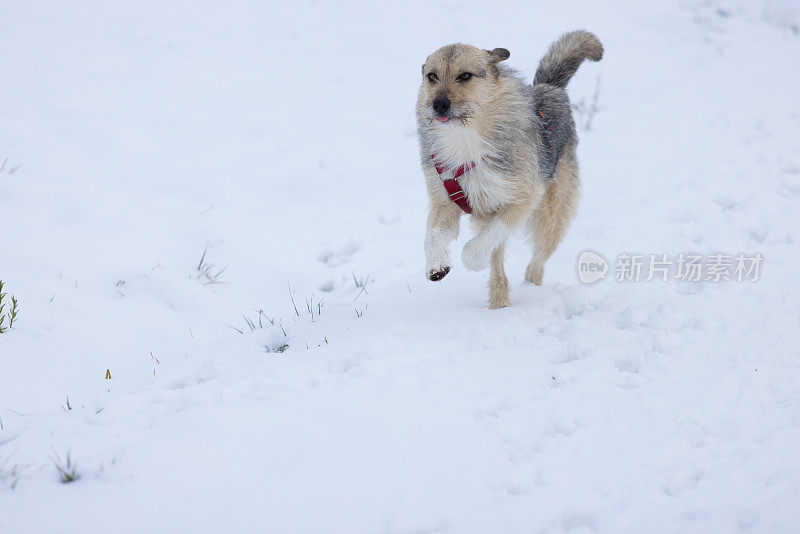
pixel 441 104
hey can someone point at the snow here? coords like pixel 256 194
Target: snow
pixel 280 138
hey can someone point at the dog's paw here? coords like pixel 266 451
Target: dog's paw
pixel 437 263
pixel 474 256
pixel 434 275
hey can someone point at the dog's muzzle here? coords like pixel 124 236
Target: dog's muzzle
pixel 441 105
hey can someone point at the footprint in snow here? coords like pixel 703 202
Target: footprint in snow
pixel 334 257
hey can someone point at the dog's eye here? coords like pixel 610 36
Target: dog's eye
pixel 464 76
pixel 432 78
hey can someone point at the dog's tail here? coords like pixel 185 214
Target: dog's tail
pixel 564 57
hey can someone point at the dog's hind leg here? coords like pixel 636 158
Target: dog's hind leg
pixel 498 283
pixel 552 217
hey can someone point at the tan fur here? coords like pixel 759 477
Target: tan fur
pixel 498 282
pixel 552 217
pixel 491 123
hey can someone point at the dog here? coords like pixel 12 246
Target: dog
pixel 501 150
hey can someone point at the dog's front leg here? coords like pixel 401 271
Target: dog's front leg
pixel 477 252
pixel 442 228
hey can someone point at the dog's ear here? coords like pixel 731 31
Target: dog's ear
pixel 498 54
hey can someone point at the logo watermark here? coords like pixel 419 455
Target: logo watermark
pixel 684 267
pixel 592 267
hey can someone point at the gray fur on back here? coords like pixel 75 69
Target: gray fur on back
pixel 553 103
pixel 528 130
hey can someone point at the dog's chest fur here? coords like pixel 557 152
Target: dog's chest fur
pixel 487 188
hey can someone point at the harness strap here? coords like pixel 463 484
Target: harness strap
pixel 452 186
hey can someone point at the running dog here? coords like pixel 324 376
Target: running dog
pixel 501 150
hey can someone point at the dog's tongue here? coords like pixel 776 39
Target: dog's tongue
pixel 442 119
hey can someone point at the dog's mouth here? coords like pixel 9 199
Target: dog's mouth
pixel 450 118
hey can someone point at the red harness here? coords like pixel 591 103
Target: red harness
pixel 452 186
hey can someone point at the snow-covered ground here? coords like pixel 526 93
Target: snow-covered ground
pixel 279 137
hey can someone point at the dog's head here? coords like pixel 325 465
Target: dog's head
pixel 457 80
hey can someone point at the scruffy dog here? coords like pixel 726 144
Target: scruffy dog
pixel 501 150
